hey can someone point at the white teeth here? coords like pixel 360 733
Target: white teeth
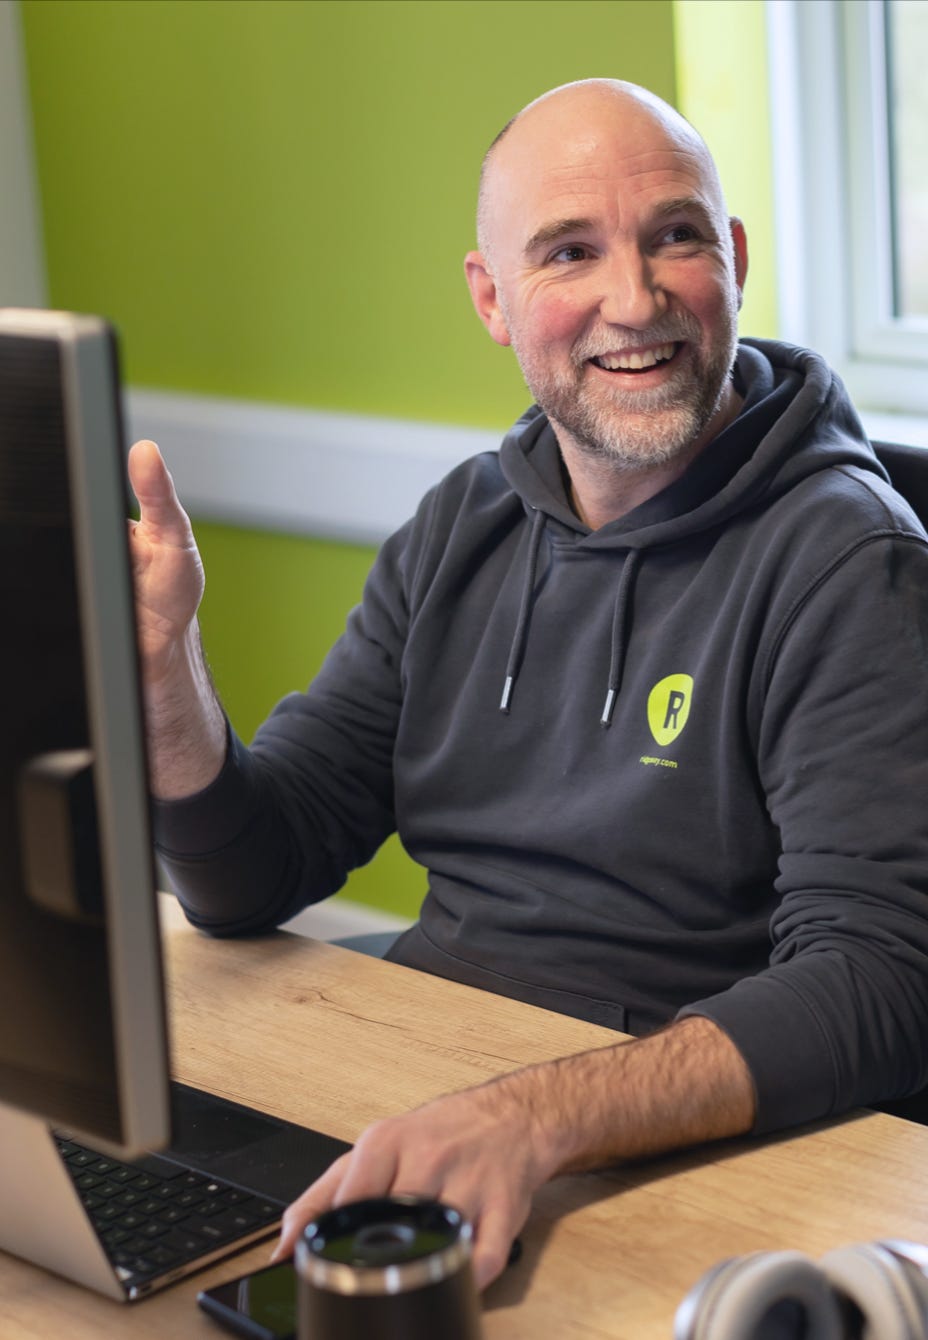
pixel 634 362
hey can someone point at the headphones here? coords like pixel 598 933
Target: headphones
pixel 871 1291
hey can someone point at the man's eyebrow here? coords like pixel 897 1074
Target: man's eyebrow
pixel 688 204
pixel 551 232
pixel 683 204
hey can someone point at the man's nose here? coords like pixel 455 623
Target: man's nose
pixel 632 294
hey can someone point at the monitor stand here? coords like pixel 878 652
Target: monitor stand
pixel 41 1217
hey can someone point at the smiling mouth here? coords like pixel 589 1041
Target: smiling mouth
pixel 635 361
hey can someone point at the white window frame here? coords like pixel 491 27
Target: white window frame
pixel 833 207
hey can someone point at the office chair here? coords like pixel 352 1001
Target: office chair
pixel 907 468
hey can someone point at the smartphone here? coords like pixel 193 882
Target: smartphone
pixel 261 1306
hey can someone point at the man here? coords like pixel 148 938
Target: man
pixel 646 692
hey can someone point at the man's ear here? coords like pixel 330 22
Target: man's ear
pixel 739 239
pixel 482 287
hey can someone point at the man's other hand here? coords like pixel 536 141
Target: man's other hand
pixel 474 1150
pixel 487 1150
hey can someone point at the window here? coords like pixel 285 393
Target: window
pixel 849 116
pixel 906 50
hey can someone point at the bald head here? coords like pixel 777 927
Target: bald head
pixel 608 262
pixel 584 118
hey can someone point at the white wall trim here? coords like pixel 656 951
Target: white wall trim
pixel 22 266
pixel 312 472
pixel 270 467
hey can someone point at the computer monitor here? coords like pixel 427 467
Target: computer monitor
pixel 83 1037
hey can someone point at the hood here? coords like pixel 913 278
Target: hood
pixel 796 419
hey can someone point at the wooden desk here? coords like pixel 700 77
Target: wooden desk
pixel 326 1037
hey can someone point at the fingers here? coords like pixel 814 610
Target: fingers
pixel 146 466
pixel 159 507
pixel 400 1156
pixel 494 1230
pixel 494 1235
pixel 375 1167
pixel 313 1202
pixel 367 1170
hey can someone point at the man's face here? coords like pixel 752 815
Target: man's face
pixel 614 276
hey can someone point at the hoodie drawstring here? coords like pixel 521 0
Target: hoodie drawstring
pixel 620 614
pixel 528 586
pixel 619 625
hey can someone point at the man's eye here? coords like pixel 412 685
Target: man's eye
pixel 571 253
pixel 680 232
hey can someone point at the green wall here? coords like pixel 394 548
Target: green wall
pixel 274 605
pixel 271 200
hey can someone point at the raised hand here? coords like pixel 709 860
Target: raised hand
pixel 168 571
pixel 186 726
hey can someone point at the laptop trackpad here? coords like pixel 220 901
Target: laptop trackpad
pixel 264 1154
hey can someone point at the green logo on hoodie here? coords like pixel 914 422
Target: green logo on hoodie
pixel 669 706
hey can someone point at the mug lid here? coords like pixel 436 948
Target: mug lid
pixel 385 1244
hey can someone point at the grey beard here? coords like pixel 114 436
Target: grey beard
pixel 661 429
pixel 635 431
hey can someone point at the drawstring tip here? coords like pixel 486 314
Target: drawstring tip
pixel 606 719
pixel 507 695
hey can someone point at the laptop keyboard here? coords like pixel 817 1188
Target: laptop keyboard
pixel 154 1216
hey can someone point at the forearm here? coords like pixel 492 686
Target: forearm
pixel 488 1149
pixel 683 1086
pixel 185 722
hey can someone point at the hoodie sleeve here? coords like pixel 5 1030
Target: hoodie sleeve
pixel 840 1017
pixel 312 798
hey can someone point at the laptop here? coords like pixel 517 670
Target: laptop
pixel 222 1185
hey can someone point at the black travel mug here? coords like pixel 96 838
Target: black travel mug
pixel 391 1268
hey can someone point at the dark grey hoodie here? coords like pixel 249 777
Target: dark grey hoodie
pixel 676 765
